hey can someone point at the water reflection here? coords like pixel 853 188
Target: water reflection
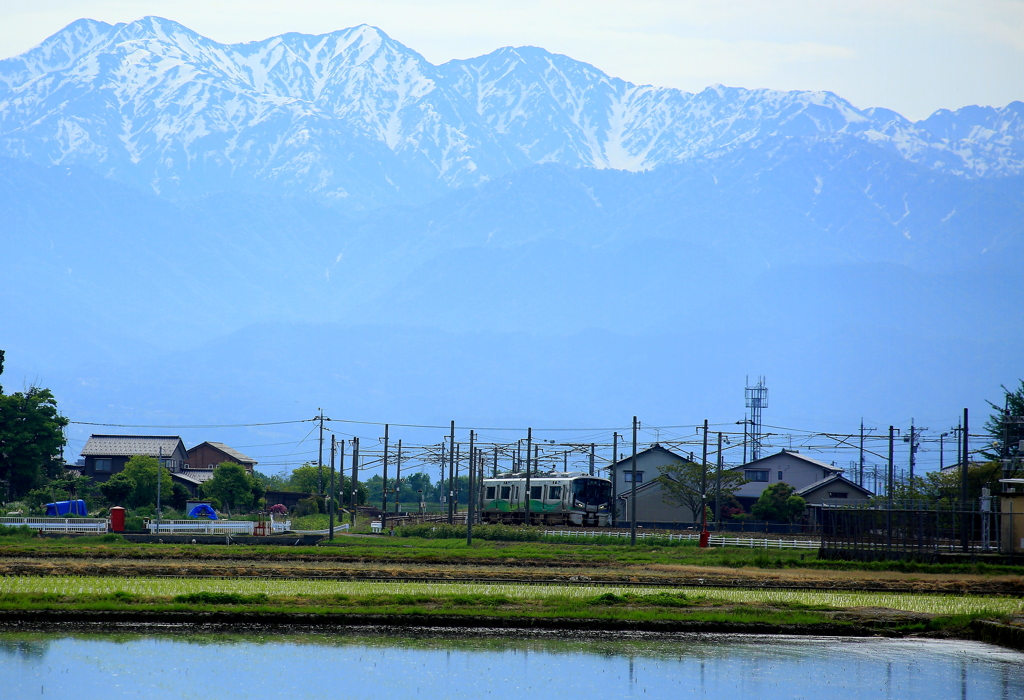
pixel 448 663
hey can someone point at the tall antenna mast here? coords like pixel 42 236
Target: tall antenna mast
pixel 757 398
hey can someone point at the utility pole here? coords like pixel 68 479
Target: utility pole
pixel 888 493
pixel 963 483
pixel 355 478
pixel 591 459
pixel 330 502
pixel 613 475
pixel 398 479
pixel 470 497
pixel 159 478
pixel 632 509
pixel 384 491
pixel 529 446
pixel 494 473
pixel 915 438
pixel 451 476
pixel 704 476
pixel 744 438
pixel 861 482
pixel 320 457
pixel 892 473
pixel 718 488
pixel 942 462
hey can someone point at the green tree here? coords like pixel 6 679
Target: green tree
pixel 143 471
pixel 944 487
pixel 118 488
pixel 779 502
pixel 1002 425
pixel 681 484
pixel 231 485
pixel 306 479
pixel 31 437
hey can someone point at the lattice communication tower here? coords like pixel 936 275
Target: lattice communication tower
pixel 757 398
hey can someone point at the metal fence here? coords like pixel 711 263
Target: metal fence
pixel 69 525
pixel 713 541
pixel 201 527
pixel 910 528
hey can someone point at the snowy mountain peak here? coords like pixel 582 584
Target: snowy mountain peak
pixel 355 115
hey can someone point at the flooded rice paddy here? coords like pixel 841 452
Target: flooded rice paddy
pixel 159 663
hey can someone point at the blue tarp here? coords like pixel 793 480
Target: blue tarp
pixel 203 510
pixel 66 508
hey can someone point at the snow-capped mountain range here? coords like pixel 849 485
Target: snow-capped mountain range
pixel 355 116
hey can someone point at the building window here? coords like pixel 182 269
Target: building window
pixel 780 475
pixel 536 492
pixel 639 477
pixel 102 465
pixel 756 474
pixel 490 493
pixel 506 492
pixel 838 494
pixel 555 493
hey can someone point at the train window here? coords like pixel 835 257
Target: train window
pixel 555 493
pixel 536 492
pixel 490 493
pixel 506 492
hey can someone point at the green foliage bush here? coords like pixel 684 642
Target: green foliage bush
pixel 17 532
pixel 502 533
pixel 214 598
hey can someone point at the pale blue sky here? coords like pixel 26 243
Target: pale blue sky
pixel 914 56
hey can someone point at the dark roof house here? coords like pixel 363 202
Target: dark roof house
pixel 209 454
pixel 106 455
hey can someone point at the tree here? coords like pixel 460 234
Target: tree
pixel 231 485
pixel 681 484
pixel 306 479
pixel 1002 425
pixel 143 470
pixel 118 488
pixel 31 437
pixel 944 487
pixel 779 502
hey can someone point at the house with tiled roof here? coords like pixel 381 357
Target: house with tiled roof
pixel 106 455
pixel 208 455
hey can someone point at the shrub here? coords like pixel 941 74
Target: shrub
pixel 308 506
pixel 215 598
pixel 502 533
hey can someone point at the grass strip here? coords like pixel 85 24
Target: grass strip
pixel 71 587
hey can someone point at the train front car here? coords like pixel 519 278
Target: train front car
pixel 591 502
pixel 555 499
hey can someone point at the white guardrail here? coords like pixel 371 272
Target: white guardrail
pixel 43 524
pixel 713 541
pixel 325 531
pixel 212 527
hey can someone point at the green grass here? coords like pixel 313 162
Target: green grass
pixel 416 550
pixel 607 598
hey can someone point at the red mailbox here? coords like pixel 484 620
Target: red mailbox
pixel 117 519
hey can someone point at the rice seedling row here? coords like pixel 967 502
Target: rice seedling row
pixel 922 603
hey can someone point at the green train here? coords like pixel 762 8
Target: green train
pixel 556 498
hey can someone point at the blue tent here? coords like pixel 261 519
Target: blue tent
pixel 202 510
pixel 66 508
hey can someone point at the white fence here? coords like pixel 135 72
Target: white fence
pixel 86 525
pixel 325 531
pixel 713 541
pixel 212 527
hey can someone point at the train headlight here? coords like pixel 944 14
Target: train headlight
pixel 577 504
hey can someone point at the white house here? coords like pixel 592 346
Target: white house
pixel 799 471
pixel 651 506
